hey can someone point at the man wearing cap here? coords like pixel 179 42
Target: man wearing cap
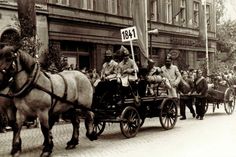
pixel 171 72
pixel 127 72
pixel 109 68
pixel 109 72
pixel 127 67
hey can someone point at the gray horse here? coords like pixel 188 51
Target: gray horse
pixel 46 96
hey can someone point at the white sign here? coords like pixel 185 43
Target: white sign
pixel 129 34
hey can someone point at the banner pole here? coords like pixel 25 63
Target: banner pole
pixel 132 52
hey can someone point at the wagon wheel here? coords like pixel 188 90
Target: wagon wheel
pixel 168 114
pixel 206 107
pixel 214 107
pixel 130 122
pixel 229 101
pixel 99 127
pixel 142 120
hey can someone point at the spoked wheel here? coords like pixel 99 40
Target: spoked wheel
pixel 130 122
pixel 142 120
pixel 229 101
pixel 214 105
pixel 168 114
pixel 99 127
pixel 206 107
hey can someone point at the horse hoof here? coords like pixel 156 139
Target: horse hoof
pixel 17 154
pixel 70 147
pixel 45 154
pixel 93 136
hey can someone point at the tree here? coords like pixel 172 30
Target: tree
pixel 226 38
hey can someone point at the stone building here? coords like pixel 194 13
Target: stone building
pixel 84 29
pixel 9 24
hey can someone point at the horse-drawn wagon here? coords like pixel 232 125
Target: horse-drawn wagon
pixel 131 111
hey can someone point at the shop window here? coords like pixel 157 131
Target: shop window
pixel 201 56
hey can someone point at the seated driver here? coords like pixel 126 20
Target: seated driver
pixel 109 72
pixel 109 68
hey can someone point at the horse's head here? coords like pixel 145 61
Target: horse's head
pixel 7 64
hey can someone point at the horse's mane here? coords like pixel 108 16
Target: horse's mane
pixel 27 61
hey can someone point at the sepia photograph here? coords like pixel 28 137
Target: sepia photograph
pixel 117 78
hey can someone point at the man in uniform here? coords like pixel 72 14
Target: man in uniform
pixel 109 68
pixel 171 72
pixel 127 70
pixel 108 75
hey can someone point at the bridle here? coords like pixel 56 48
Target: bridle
pixel 10 70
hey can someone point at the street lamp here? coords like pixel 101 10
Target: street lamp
pixel 152 32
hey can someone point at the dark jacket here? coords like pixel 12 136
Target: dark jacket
pixel 200 86
pixel 185 86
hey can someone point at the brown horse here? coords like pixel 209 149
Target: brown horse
pixel 44 95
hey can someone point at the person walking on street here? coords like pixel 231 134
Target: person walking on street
pixel 184 88
pixel 200 89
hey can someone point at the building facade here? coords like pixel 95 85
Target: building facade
pixel 84 29
pixel 10 26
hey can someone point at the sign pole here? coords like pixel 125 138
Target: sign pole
pixel 132 52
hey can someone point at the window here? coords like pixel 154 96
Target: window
pixel 208 16
pixel 63 2
pixel 196 14
pixel 183 12
pixel 153 10
pixel 87 4
pixel 112 6
pixel 169 11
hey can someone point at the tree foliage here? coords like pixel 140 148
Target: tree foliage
pixel 226 38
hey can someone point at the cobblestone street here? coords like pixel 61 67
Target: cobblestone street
pixel 213 137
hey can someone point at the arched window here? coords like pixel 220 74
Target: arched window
pixel 10 37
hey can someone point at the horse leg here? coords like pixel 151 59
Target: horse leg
pixel 45 128
pixel 89 121
pixel 75 136
pixel 16 127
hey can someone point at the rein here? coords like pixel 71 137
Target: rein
pixel 28 86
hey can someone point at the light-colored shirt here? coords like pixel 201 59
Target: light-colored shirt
pixel 129 65
pixel 172 74
pixel 109 70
